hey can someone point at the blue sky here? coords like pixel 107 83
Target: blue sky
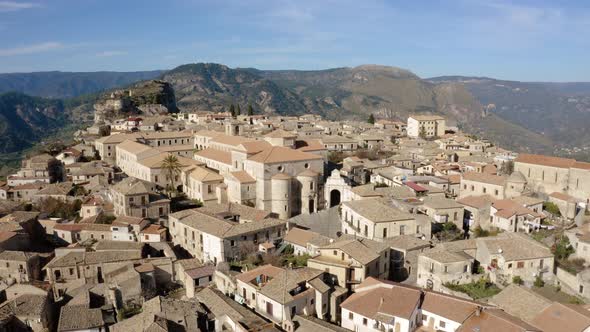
pixel 522 40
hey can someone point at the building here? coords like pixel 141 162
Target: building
pixel 280 294
pixel 375 220
pixel 438 267
pixel 225 234
pixel 349 261
pixel 426 126
pixel 514 254
pixel 136 198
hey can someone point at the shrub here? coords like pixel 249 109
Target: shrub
pixel 552 208
pixel 517 280
pixel 539 282
pixel 562 249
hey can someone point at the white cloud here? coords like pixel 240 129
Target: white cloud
pixel 30 49
pixel 13 6
pixel 111 53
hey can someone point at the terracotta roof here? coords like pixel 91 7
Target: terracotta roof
pixel 495 320
pixel 204 174
pixel 545 160
pixel 217 155
pixel 153 229
pixel 390 299
pixel 485 178
pixel 563 317
pixel 447 306
pixel 243 177
pixel 307 145
pixel 278 154
pixel 479 202
pixel 299 236
pixel 280 133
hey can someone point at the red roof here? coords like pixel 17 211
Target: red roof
pixel 415 186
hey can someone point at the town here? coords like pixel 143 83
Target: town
pixel 240 221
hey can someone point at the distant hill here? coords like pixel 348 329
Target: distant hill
pixel 559 112
pixel 213 87
pixel 56 84
pixel 540 117
pixel 24 120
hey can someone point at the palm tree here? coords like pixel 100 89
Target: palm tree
pixel 171 166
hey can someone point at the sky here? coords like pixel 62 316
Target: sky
pixel 535 40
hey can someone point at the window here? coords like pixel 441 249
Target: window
pixel 465 269
pixel 581 289
pixel 402 230
pixel 519 265
pixel 442 324
pixel 510 265
pixel 364 321
pixel 335 253
pixel 306 165
pixel 446 269
pixel 496 192
pixel 350 316
pixel 280 168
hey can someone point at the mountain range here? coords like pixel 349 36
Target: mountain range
pixel 537 117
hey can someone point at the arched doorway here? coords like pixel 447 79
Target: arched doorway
pixel 334 197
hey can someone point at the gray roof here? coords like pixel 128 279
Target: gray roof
pixel 377 210
pixel 362 250
pixel 514 246
pixel 443 256
pixel 520 302
pixel 89 258
pixel 279 287
pixel 309 323
pixel 222 228
pixel 441 203
pixel 79 317
pixel 220 305
pixel 26 305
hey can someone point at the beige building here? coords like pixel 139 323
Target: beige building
pixel 547 174
pixel 514 254
pixel 443 210
pixel 136 198
pixel 426 126
pixel 496 186
pixel 438 267
pixel 375 220
pixel 281 294
pixel 350 261
pixel 223 232
pixel 200 183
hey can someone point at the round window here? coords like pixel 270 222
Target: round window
pixel 280 168
pixel 306 165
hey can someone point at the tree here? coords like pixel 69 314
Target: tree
pixel 371 119
pixel 250 110
pixel 239 111
pixel 171 167
pixel 232 110
pixel 422 133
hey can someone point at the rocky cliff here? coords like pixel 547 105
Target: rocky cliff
pixel 149 98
